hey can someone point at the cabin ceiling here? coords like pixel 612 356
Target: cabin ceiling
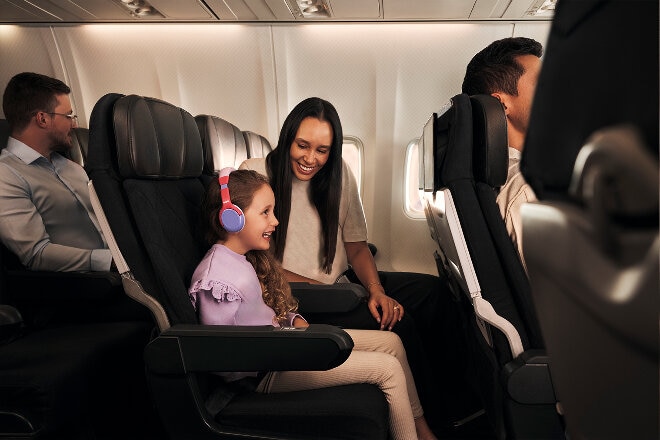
pixel 139 11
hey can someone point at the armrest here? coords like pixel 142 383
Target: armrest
pixel 57 287
pixel 527 378
pixel 48 287
pixel 328 298
pixel 11 323
pixel 206 348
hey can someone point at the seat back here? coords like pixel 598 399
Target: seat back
pixel 490 165
pixel 257 145
pixel 164 195
pixel 469 139
pixel 591 242
pixel 464 161
pixel 118 123
pixel 223 142
pixel 4 133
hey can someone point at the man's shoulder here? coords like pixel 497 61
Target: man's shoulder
pixel 515 188
pixel 60 161
pixel 6 156
pixel 9 163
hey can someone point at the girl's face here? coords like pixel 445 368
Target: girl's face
pixel 310 149
pixel 260 220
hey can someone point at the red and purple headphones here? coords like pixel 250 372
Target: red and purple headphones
pixel 231 216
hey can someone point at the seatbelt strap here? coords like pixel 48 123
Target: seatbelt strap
pixel 132 286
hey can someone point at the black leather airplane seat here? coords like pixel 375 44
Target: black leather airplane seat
pixel 257 145
pixel 146 165
pixel 76 382
pixel 69 377
pixel 64 372
pixel 591 242
pixel 4 133
pixel 464 160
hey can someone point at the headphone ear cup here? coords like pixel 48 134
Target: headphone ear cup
pixel 232 219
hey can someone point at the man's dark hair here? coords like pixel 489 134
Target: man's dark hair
pixel 495 69
pixel 27 93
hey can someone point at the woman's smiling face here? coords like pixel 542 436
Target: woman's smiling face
pixel 310 149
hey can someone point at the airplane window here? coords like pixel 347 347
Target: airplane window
pixel 352 151
pixel 413 202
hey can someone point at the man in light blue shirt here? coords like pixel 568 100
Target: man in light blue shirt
pixel 46 217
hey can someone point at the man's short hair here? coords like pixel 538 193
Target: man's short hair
pixel 27 93
pixel 495 69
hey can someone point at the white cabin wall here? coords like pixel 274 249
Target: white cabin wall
pixel 384 78
pixel 219 70
pixel 28 49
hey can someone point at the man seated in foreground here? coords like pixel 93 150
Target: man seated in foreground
pixel 47 218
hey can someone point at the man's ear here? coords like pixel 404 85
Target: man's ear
pixel 40 117
pixel 503 100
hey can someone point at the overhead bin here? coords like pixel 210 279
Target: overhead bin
pixel 268 11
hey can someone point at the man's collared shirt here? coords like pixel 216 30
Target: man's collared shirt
pixel 47 218
pixel 513 194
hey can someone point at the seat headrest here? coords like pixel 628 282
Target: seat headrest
pixel 490 152
pixel 4 133
pixel 223 143
pixel 80 140
pixel 156 139
pixel 452 142
pixel 258 146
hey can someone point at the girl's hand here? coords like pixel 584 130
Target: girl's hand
pixel 300 323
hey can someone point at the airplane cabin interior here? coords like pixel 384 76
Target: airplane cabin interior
pixel 560 344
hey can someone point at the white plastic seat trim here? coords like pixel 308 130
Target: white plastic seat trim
pixel 482 308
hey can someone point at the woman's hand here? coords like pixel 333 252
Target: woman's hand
pixel 383 308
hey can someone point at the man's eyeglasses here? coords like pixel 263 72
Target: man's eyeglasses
pixel 72 118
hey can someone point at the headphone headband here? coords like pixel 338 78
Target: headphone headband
pixel 231 216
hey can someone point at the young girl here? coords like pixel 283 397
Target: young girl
pixel 240 283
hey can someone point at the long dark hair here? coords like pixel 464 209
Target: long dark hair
pixel 275 290
pixel 326 184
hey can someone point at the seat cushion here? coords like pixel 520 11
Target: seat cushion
pixel 295 414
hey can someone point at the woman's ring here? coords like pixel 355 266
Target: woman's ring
pixel 396 307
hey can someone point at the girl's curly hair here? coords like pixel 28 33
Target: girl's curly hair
pixel 274 287
pixel 242 186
